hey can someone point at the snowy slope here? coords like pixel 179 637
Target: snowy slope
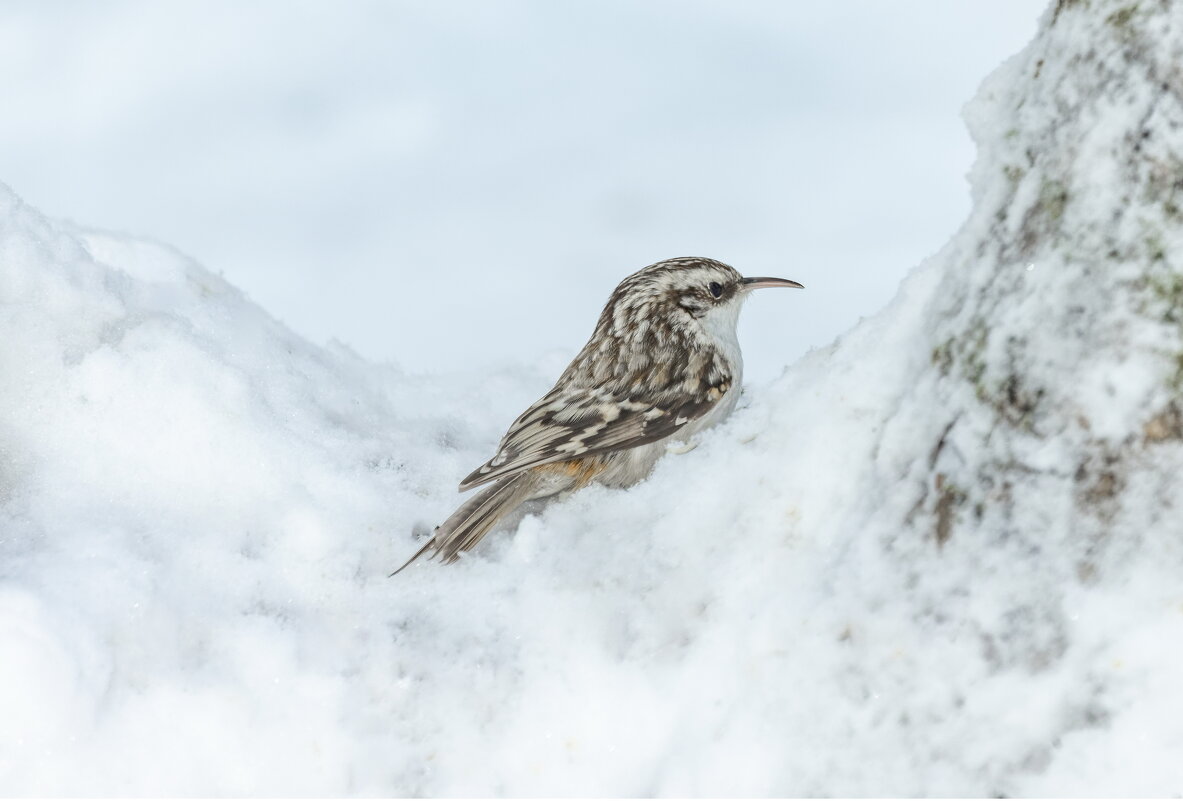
pixel 938 557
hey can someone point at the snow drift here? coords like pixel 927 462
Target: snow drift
pixel 941 556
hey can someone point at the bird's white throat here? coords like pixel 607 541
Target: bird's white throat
pixel 719 324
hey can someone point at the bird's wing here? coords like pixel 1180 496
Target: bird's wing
pixel 584 421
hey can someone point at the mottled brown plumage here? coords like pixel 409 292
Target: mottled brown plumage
pixel 662 364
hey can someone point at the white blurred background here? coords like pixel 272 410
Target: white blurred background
pixel 446 185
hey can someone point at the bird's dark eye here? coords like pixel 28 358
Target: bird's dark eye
pixel 716 289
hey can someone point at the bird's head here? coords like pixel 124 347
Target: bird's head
pixel 670 317
pixel 690 292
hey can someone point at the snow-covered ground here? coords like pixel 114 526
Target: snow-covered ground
pixel 941 556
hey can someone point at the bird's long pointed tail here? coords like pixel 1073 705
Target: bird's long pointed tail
pixel 465 527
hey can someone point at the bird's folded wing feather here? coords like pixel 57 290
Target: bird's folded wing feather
pixel 584 421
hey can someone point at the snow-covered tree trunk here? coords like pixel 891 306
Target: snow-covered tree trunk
pixel 1027 480
pixel 1057 325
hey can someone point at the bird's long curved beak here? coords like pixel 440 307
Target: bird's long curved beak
pixel 760 283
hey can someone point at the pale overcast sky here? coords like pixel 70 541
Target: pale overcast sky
pixel 447 185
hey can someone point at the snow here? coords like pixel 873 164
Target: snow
pixel 938 557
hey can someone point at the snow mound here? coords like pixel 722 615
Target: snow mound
pixel 939 557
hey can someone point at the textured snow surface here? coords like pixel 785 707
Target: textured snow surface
pixel 941 556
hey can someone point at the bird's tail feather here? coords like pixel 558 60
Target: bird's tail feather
pixel 468 524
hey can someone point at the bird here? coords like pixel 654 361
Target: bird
pixel 662 364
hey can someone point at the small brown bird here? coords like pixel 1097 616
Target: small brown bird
pixel 663 363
